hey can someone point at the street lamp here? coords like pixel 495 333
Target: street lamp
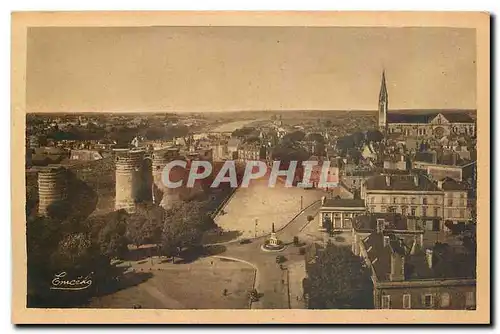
pixel 255 231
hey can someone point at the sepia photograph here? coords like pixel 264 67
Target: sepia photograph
pixel 308 169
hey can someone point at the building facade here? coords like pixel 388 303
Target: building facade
pixel 455 201
pixel 414 196
pixel 338 214
pixel 407 276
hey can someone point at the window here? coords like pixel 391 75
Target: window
pixel 470 299
pixel 382 208
pixel 445 299
pixel 394 200
pixel 450 213
pixel 427 300
pixel 403 211
pixel 424 211
pixel 372 200
pixel 407 301
pixel 413 211
pixel 404 200
pixel 450 202
pixel 436 200
pixel 386 301
pixel 424 201
pixel 383 199
pixel 413 200
pixel 436 212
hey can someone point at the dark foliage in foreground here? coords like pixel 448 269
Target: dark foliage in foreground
pixel 337 279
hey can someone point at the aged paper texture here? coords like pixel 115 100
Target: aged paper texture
pixel 250 167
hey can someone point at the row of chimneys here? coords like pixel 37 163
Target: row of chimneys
pixel 415 181
pixel 388 180
pixel 398 260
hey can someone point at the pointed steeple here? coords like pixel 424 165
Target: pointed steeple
pixel 273 229
pixel 383 89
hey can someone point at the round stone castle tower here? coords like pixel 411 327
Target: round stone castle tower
pixel 163 195
pixel 52 183
pixel 129 180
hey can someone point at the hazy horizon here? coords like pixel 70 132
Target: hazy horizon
pixel 231 69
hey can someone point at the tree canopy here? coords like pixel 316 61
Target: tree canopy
pixel 183 227
pixel 337 279
pixel 317 137
pixel 294 136
pixel 374 136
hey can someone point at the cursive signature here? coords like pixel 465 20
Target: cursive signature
pixel 59 282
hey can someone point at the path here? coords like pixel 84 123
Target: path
pixel 271 281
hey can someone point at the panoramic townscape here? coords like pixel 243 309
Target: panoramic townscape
pixel 218 167
pixel 397 229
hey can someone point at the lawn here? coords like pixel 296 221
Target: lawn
pixel 198 285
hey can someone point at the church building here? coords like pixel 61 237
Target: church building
pixel 421 123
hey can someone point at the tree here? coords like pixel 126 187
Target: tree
pixel 112 237
pixel 294 136
pixel 337 279
pixel 183 228
pixel 374 136
pixel 316 137
pixel 345 143
pixel 358 138
pixel 145 225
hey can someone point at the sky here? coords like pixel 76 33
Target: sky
pixel 200 69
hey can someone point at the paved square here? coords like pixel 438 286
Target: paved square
pixel 264 205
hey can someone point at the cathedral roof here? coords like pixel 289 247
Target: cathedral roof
pixel 423 117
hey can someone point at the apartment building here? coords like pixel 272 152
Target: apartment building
pixel 410 195
pixel 406 275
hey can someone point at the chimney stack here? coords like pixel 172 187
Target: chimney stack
pixel 380 225
pixel 413 247
pixel 397 267
pixel 428 256
pixel 386 240
pixel 388 180
pixel 415 180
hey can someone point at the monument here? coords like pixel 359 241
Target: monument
pixel 273 243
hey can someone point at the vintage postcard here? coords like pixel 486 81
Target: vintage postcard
pixel 230 167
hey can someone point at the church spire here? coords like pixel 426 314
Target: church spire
pixel 383 89
pixel 383 102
